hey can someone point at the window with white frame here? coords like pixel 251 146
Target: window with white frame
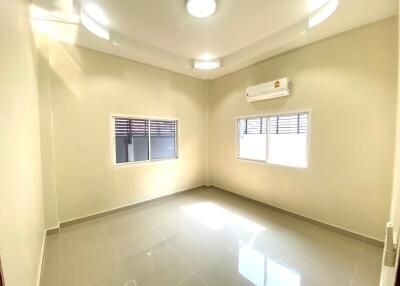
pixel 253 138
pixel 138 139
pixel 278 139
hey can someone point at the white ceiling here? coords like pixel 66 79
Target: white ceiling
pixel 235 25
pixel 163 34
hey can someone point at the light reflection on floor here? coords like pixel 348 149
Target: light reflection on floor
pixel 216 217
pixel 206 238
pixel 253 265
pixel 264 271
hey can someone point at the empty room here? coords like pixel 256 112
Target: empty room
pixel 199 143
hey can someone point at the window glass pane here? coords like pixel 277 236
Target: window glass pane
pixel 131 140
pixel 253 138
pixel 163 136
pixel 287 142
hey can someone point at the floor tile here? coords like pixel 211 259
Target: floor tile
pixel 369 266
pixel 83 237
pixel 333 251
pixel 313 273
pixel 87 256
pixel 206 237
pixel 193 280
pixel 226 271
pixel 196 249
pixel 124 224
pixel 136 243
pixel 166 222
pixel 96 267
pixel 158 267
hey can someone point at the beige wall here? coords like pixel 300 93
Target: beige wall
pixel 46 132
pixel 86 87
pixel 349 83
pixel 21 200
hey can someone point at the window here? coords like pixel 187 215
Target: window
pixel 253 138
pixel 162 134
pixel 278 139
pixel 144 139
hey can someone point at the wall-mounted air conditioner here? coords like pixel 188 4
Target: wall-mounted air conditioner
pixel 273 89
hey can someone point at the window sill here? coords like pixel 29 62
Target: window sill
pixel 251 160
pixel 272 164
pixel 141 163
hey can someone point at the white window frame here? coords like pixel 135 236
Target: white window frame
pixel 149 118
pixel 237 122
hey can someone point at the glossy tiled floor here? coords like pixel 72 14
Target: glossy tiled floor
pixel 206 237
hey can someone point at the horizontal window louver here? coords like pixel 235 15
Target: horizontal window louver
pixel 131 127
pixel 288 124
pixel 256 125
pixel 162 128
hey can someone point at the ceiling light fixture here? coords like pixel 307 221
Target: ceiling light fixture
pixel 94 27
pixel 324 13
pixel 201 8
pixel 313 5
pixel 207 64
pixel 206 57
pixel 95 21
pixel 96 13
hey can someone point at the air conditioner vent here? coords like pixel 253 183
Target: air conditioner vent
pixel 269 90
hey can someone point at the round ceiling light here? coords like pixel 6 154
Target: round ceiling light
pixel 201 8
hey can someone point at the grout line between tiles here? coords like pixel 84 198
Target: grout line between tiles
pixel 197 272
pixel 176 254
pixel 194 272
pixel 357 263
pixel 188 266
pixel 130 281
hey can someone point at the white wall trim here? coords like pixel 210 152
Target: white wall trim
pixel 41 260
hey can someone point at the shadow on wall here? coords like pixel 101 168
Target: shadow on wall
pixel 1 275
